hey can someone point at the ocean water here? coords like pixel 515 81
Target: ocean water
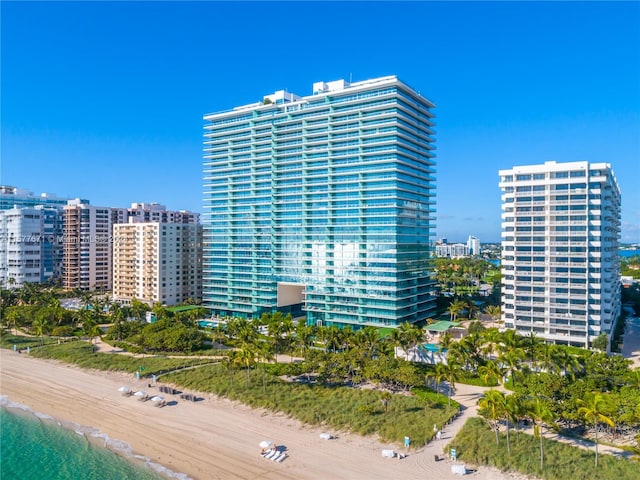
pixel 37 447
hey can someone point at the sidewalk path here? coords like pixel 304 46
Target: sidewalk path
pixel 631 341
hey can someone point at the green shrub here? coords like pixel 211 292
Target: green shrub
pixel 476 444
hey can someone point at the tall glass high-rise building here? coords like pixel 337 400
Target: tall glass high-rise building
pixel 322 205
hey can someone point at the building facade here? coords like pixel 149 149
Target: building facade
pixel 154 212
pixel 30 250
pixel 18 197
pixel 560 233
pixel 87 251
pixel 474 246
pixel 322 205
pixel 452 250
pixel 157 262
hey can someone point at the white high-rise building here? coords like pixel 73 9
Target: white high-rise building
pixel 29 247
pixel 560 231
pixel 157 262
pixel 473 244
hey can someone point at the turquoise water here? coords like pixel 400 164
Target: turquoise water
pixel 431 347
pixel 35 447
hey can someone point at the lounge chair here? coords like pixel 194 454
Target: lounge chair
pixel 281 457
pixel 271 454
pixel 277 457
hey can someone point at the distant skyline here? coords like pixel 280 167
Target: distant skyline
pixel 104 100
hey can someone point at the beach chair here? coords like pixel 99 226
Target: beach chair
pixel 281 457
pixel 277 457
pixel 271 455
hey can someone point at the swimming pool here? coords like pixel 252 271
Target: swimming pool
pixel 209 323
pixel 431 347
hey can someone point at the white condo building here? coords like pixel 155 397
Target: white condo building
pixel 473 244
pixel 87 236
pixel 157 262
pixel 29 247
pixel 452 250
pixel 560 231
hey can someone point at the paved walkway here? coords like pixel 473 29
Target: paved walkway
pixel 631 341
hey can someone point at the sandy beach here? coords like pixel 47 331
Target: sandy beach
pixel 213 438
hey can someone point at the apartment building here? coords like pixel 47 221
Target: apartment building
pixel 560 233
pixel 322 205
pixel 452 250
pixel 19 197
pixel 157 262
pixel 87 250
pixel 29 247
pixel 154 212
pixel 474 246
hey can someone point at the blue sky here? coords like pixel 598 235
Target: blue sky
pixel 104 100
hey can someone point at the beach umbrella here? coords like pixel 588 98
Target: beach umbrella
pixel 140 394
pixel 266 443
pixel 157 398
pixel 124 389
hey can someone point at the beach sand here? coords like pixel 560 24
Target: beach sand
pixel 210 439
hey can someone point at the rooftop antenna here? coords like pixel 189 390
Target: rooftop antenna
pixel 350 76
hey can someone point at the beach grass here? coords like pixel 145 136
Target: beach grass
pixel 83 355
pixel 476 444
pixel 340 408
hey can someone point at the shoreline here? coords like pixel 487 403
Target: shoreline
pixel 94 437
pixel 210 439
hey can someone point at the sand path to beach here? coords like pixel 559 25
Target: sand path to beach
pixel 213 438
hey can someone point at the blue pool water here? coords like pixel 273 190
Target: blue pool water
pixel 431 347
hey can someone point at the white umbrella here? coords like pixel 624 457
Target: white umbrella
pixel 124 389
pixel 266 443
pixel 140 394
pixel 157 398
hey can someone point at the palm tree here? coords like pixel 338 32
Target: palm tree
pixel 218 335
pixel 446 341
pixel 246 357
pixel 367 340
pixel 593 411
pixel 531 343
pixel 305 336
pixel 510 361
pixel 491 339
pixel 513 410
pixel 510 341
pixel 452 375
pixel 40 325
pixel 456 307
pixel 438 374
pixel 540 414
pixel 495 312
pixel 491 370
pixel 332 337
pixel 385 399
pixel 492 407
